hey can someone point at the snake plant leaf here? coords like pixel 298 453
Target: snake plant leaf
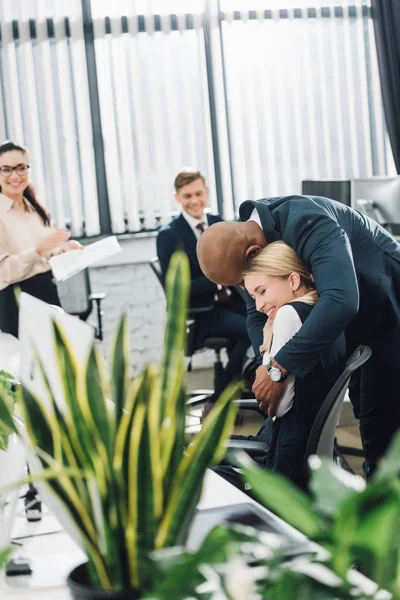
pixel 79 413
pixel 205 449
pixel 94 388
pixel 177 293
pixel 119 368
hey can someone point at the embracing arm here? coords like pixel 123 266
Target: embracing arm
pixel 325 247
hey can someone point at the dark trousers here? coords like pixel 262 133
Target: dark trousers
pixel 230 324
pixel 375 393
pixel 40 286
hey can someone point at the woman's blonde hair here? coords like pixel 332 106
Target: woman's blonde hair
pixel 280 260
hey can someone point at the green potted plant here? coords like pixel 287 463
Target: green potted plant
pixel 357 523
pixel 124 475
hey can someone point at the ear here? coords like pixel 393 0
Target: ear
pixel 295 281
pixel 177 198
pixel 252 251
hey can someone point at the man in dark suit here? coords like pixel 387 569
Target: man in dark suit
pixel 356 267
pixel 227 318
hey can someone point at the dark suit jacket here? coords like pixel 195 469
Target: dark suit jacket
pixel 356 266
pixel 179 235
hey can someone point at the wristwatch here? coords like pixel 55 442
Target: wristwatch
pixel 275 374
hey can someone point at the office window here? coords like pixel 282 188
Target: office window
pixel 44 105
pixel 113 98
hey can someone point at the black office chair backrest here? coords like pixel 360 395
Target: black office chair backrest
pixel 156 268
pixel 322 436
pixel 75 295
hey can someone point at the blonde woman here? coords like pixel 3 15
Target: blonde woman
pixel 283 289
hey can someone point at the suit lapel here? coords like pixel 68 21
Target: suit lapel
pixel 268 222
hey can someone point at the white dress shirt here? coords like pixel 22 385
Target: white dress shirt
pixel 193 222
pixel 286 324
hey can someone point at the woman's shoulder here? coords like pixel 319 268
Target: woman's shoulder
pixel 286 314
pixel 292 314
pixel 5 204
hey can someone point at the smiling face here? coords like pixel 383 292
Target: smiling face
pixel 14 183
pixel 193 198
pixel 270 293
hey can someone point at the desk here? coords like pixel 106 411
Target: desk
pixel 54 555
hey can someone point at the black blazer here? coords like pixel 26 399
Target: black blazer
pixel 179 235
pixel 356 266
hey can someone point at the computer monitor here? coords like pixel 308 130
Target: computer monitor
pixel 335 189
pixel 382 192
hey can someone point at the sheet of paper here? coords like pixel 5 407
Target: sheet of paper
pixel 66 265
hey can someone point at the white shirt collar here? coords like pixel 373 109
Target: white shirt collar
pixel 193 222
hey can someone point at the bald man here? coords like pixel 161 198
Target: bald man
pixel 356 267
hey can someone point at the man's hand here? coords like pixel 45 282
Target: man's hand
pixel 267 392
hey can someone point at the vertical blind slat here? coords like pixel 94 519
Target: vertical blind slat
pixel 211 10
pixel 71 166
pixel 124 125
pixel 30 105
pixel 107 111
pixel 85 134
pixel 49 120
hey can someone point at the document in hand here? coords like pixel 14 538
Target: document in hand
pixel 66 265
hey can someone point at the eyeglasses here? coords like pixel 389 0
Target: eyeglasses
pixel 21 169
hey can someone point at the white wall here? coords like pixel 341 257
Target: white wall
pixel 131 286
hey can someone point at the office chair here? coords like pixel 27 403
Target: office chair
pixel 211 343
pixel 321 440
pixel 77 299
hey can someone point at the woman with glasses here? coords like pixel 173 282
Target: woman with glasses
pixel 27 240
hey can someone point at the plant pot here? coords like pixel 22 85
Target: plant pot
pixel 81 589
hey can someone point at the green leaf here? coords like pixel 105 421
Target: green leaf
pixel 282 497
pixel 95 391
pixel 331 485
pixel 119 368
pixel 207 446
pixel 177 293
pixel 5 554
pixel 390 463
pixel 367 528
pixel 78 417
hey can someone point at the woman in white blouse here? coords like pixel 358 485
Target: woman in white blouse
pixel 284 290
pixel 27 240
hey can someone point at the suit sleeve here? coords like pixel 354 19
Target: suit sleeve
pixel 166 246
pixel 325 248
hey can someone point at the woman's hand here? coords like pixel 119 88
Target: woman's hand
pixel 53 240
pixel 71 245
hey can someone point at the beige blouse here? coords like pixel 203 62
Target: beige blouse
pixel 20 231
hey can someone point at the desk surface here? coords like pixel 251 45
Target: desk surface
pixel 54 555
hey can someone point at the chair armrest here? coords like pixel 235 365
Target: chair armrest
pixel 97 297
pixel 193 312
pixel 251 448
pixel 248 404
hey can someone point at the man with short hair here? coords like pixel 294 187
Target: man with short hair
pixel 227 318
pixel 356 267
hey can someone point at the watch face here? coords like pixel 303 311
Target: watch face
pixel 275 374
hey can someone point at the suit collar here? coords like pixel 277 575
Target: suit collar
pixel 269 224
pixel 193 222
